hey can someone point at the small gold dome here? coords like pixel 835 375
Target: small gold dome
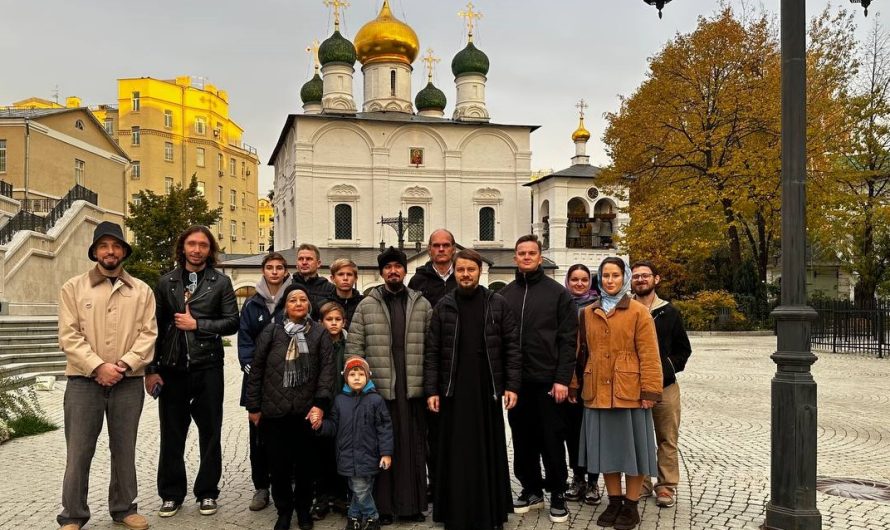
pixel 581 133
pixel 386 39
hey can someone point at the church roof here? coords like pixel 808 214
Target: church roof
pixel 470 60
pixel 393 117
pixel 585 171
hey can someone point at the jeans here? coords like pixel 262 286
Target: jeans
pixel 87 404
pixel 362 499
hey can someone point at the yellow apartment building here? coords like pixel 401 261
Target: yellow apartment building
pixel 264 225
pixel 172 129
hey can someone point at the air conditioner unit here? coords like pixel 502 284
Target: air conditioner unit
pixel 216 133
pixel 248 172
pixel 232 207
pixel 234 237
pixel 221 173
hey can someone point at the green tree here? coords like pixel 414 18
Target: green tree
pixel 156 222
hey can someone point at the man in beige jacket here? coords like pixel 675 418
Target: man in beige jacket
pixel 107 330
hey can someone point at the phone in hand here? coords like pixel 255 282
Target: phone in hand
pixel 156 390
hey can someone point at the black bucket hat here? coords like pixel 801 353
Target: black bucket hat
pixel 107 228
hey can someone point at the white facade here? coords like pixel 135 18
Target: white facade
pixel 335 176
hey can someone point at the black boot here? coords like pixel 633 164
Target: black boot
pixel 373 524
pixel 353 523
pixel 629 517
pixel 610 514
pixel 283 522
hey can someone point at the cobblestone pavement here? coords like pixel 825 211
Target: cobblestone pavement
pixel 724 443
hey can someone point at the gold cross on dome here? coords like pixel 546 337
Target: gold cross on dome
pixel 581 106
pixel 313 49
pixel 471 16
pixel 430 61
pixel 336 5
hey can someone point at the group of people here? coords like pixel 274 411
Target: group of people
pixel 374 405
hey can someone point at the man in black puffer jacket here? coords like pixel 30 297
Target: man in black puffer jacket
pixel 435 278
pixel 548 327
pixel 471 360
pixel 320 289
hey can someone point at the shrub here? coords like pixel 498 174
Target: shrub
pixel 712 311
pixel 19 409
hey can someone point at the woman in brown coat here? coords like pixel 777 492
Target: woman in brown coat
pixel 619 382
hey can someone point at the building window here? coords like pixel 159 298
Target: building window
pixel 486 224
pixel 219 195
pixel 136 199
pixel 136 103
pixel 135 135
pixel 219 163
pixel 343 222
pixel 233 166
pixel 233 229
pixel 79 167
pixel 201 187
pixel 233 198
pixel 415 223
pixel 262 247
pixel 109 126
pixel 199 157
pixel 2 156
pixel 243 229
pixel 78 125
pixel 392 82
pixel 200 125
pixel 168 119
pixel 136 171
pixel 168 185
pixel 243 168
pixel 262 232
pixel 168 151
pixel 262 218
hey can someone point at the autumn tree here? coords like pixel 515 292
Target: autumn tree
pixel 156 222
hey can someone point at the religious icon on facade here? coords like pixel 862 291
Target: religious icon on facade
pixel 416 156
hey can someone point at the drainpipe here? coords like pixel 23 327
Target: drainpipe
pixel 27 156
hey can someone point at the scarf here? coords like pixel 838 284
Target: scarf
pixel 296 361
pixel 585 299
pixel 609 301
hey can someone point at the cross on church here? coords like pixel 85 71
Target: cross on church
pixel 581 106
pixel 471 16
pixel 430 61
pixel 313 49
pixel 336 5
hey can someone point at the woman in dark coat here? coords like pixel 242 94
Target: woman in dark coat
pixel 290 380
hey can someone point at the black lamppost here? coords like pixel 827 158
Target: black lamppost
pixel 792 504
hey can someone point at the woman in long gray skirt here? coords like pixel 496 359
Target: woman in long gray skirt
pixel 618 377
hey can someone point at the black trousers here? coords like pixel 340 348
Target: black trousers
pixel 186 396
pixel 328 482
pixel 539 433
pixel 288 442
pixel 259 467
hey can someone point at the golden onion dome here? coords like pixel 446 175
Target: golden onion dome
pixel 581 133
pixel 386 39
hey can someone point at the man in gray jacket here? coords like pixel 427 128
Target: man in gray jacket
pixel 388 330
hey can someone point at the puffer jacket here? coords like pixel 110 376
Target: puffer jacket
pixel 255 317
pixel 266 392
pixel 623 367
pixel 370 336
pixel 501 345
pixel 363 431
pixel 430 284
pixel 214 307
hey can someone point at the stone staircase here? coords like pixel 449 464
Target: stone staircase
pixel 29 347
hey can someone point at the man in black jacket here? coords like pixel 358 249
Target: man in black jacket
pixel 344 274
pixel 435 278
pixel 674 348
pixel 320 290
pixel 548 326
pixel 196 308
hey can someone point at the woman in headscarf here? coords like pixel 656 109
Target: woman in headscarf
pixel 579 285
pixel 618 378
pixel 290 381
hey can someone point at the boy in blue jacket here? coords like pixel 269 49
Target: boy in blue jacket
pixel 364 437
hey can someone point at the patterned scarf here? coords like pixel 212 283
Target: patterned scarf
pixel 296 362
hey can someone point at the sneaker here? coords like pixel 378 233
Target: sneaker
pixel 260 500
pixel 353 524
pixel 559 513
pixel 528 501
pixel 134 521
pixel 592 496
pixel 575 490
pixel 169 508
pixel 207 506
pixel 373 524
pixel 610 514
pixel 666 498
pixel 320 509
pixel 629 516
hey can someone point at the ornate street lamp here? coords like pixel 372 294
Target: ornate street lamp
pixel 659 4
pixel 865 4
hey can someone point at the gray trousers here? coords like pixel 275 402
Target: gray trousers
pixel 87 405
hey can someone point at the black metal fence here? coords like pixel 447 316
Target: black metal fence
pixel 5 189
pixel 844 327
pixel 25 220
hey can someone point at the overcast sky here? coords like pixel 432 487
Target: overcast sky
pixel 545 55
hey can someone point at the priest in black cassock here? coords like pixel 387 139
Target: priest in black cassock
pixel 472 365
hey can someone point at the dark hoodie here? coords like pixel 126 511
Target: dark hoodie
pixel 349 304
pixel 430 284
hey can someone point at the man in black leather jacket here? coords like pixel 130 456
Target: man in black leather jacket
pixel 196 308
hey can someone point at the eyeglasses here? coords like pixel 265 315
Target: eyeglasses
pixel 641 276
pixel 193 285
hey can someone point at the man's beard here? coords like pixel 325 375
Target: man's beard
pixel 394 285
pixel 467 290
pixel 644 292
pixel 110 267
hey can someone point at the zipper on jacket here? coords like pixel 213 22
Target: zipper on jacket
pixel 522 313
pixel 494 388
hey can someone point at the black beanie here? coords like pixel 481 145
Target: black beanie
pixel 389 255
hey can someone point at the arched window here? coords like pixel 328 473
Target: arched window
pixel 486 224
pixel 415 223
pixel 392 82
pixel 343 221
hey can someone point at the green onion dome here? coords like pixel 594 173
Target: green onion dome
pixel 430 98
pixel 336 49
pixel 470 60
pixel 312 90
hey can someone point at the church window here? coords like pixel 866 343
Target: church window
pixel 343 222
pixel 392 82
pixel 486 224
pixel 415 223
